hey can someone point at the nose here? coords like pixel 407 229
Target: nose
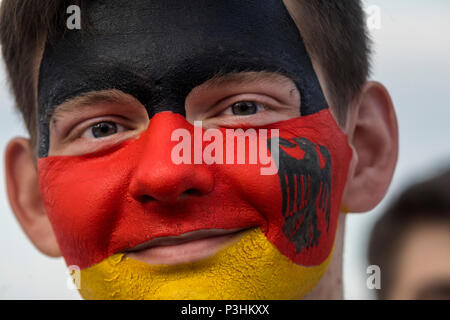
pixel 157 176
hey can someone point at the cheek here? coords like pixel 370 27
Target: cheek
pixel 262 192
pixel 300 204
pixel 83 203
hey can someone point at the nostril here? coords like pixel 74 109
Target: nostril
pixel 186 194
pixel 192 192
pixel 145 198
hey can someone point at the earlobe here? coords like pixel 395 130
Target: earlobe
pixel 373 135
pixel 24 196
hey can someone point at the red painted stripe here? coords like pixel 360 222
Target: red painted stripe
pixel 99 204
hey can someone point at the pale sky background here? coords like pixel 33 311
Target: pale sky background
pixel 412 60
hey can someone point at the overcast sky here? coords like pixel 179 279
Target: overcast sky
pixel 412 52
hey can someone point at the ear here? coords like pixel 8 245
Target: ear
pixel 373 135
pixel 25 198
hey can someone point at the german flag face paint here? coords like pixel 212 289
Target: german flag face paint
pixel 109 205
pixel 98 208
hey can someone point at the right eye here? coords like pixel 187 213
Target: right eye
pixel 102 129
pixel 246 108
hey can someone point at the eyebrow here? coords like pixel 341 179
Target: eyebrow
pixel 117 96
pixel 243 77
pixel 91 98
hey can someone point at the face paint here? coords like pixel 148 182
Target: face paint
pixel 116 277
pixel 98 215
pixel 98 203
pixel 159 57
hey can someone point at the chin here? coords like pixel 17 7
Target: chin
pixel 248 269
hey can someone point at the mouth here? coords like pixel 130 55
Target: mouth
pixel 185 248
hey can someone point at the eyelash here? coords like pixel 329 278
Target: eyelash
pixel 227 112
pixel 259 105
pixel 83 131
pixel 119 127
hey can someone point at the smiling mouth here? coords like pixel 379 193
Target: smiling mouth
pixel 186 248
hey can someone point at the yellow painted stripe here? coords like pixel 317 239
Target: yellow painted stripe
pixel 251 268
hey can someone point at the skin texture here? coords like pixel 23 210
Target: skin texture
pixel 371 119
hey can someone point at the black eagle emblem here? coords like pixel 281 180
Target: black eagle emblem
pixel 305 186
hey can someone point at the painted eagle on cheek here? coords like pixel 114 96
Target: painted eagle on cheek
pixel 306 187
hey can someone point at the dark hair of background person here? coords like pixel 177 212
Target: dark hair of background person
pixel 335 35
pixel 427 201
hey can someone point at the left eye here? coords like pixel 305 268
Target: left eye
pixel 103 130
pixel 245 108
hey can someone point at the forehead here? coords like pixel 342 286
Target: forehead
pixel 194 18
pixel 189 40
pixel 159 50
pixel 423 257
pixel 150 39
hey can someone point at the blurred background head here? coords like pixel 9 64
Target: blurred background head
pixel 411 242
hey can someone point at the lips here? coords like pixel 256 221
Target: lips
pixel 183 238
pixel 185 248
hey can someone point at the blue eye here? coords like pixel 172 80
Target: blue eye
pixel 104 129
pixel 244 108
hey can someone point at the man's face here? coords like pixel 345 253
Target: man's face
pixel 141 225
